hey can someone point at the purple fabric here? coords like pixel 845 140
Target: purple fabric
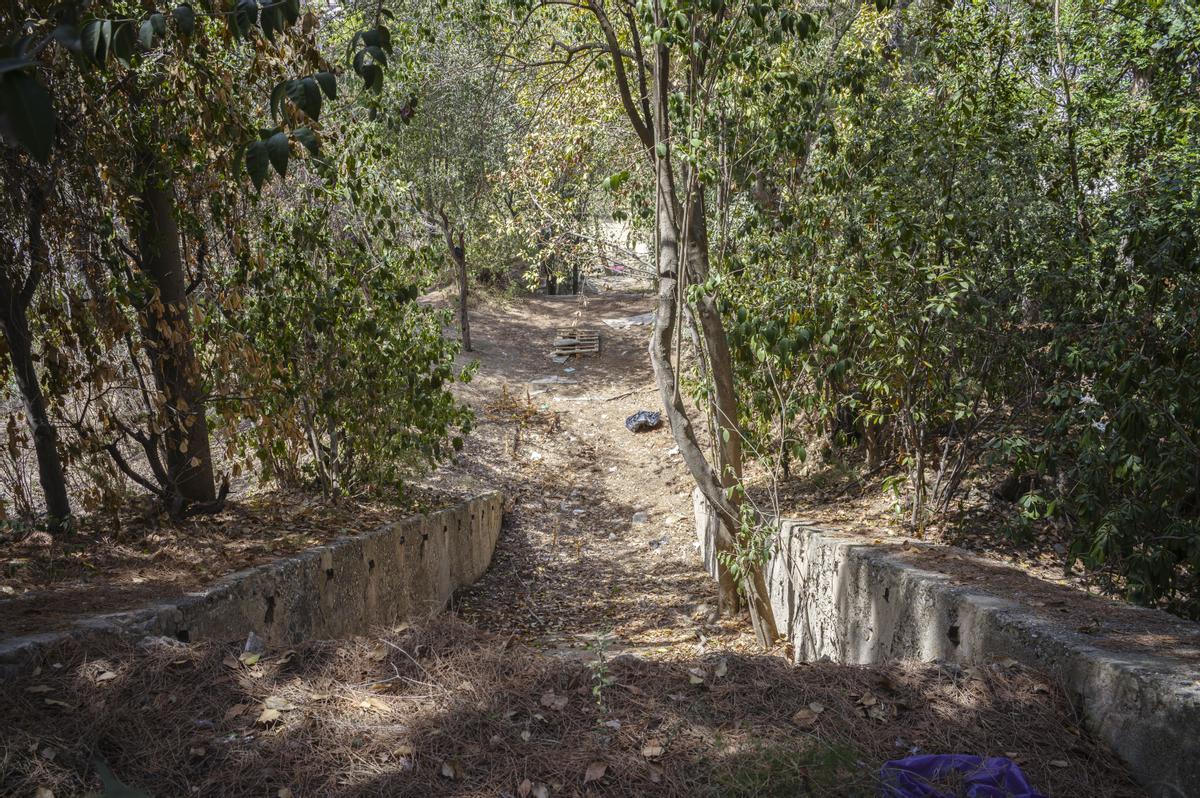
pixel 920 777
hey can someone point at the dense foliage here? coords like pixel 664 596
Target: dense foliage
pixel 982 246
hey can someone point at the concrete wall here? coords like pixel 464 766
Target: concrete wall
pixel 843 598
pixel 407 569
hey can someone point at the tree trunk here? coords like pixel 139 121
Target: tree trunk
pixel 458 253
pixel 167 331
pixel 712 483
pixel 15 324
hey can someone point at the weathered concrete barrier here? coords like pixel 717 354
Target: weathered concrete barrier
pixel 850 600
pixel 402 570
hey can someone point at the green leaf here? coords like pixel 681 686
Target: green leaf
pixel 14 64
pixel 306 137
pixel 25 104
pixel 328 83
pixel 245 17
pixel 372 75
pixel 68 37
pixel 94 39
pixel 305 94
pixel 271 20
pixel 277 151
pixel 122 42
pixel 146 35
pixel 185 18
pixel 258 162
pixel 377 54
pixel 277 95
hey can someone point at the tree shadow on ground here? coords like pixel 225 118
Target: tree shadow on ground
pixel 443 709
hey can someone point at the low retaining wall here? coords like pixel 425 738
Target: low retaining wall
pixel 403 570
pixel 846 599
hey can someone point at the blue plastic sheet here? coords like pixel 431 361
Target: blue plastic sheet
pixel 970 776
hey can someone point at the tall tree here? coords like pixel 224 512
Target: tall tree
pixel 25 264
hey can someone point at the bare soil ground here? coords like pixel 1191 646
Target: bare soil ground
pixel 587 661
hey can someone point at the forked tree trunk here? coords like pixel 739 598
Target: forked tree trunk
pixel 728 472
pixel 167 332
pixel 14 321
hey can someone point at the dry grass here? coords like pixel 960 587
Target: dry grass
pixel 444 709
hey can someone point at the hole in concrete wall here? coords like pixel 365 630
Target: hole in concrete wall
pixel 952 634
pixel 370 565
pixel 402 540
pixel 887 591
pixel 182 636
pixel 270 616
pixel 328 574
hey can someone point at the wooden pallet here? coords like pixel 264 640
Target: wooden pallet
pixel 576 342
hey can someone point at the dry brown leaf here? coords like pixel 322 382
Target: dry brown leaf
pixel 656 774
pixel 275 702
pixel 268 716
pixel 595 771
pixel 375 704
pixel 805 718
pixel 722 668
pixel 107 676
pixel 540 791
pixel 43 792
pixel 284 792
pixel 1059 763
pixel 817 707
pixel 696 675
pixel 524 788
pixel 234 711
pixel 552 701
pixel 653 748
pixel 452 770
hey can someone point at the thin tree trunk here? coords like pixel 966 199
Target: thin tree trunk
pixel 167 330
pixel 464 321
pixel 15 324
pixel 458 253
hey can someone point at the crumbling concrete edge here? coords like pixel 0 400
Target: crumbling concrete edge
pixel 849 601
pixel 403 570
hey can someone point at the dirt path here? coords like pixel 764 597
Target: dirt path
pixel 598 538
pixel 589 665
